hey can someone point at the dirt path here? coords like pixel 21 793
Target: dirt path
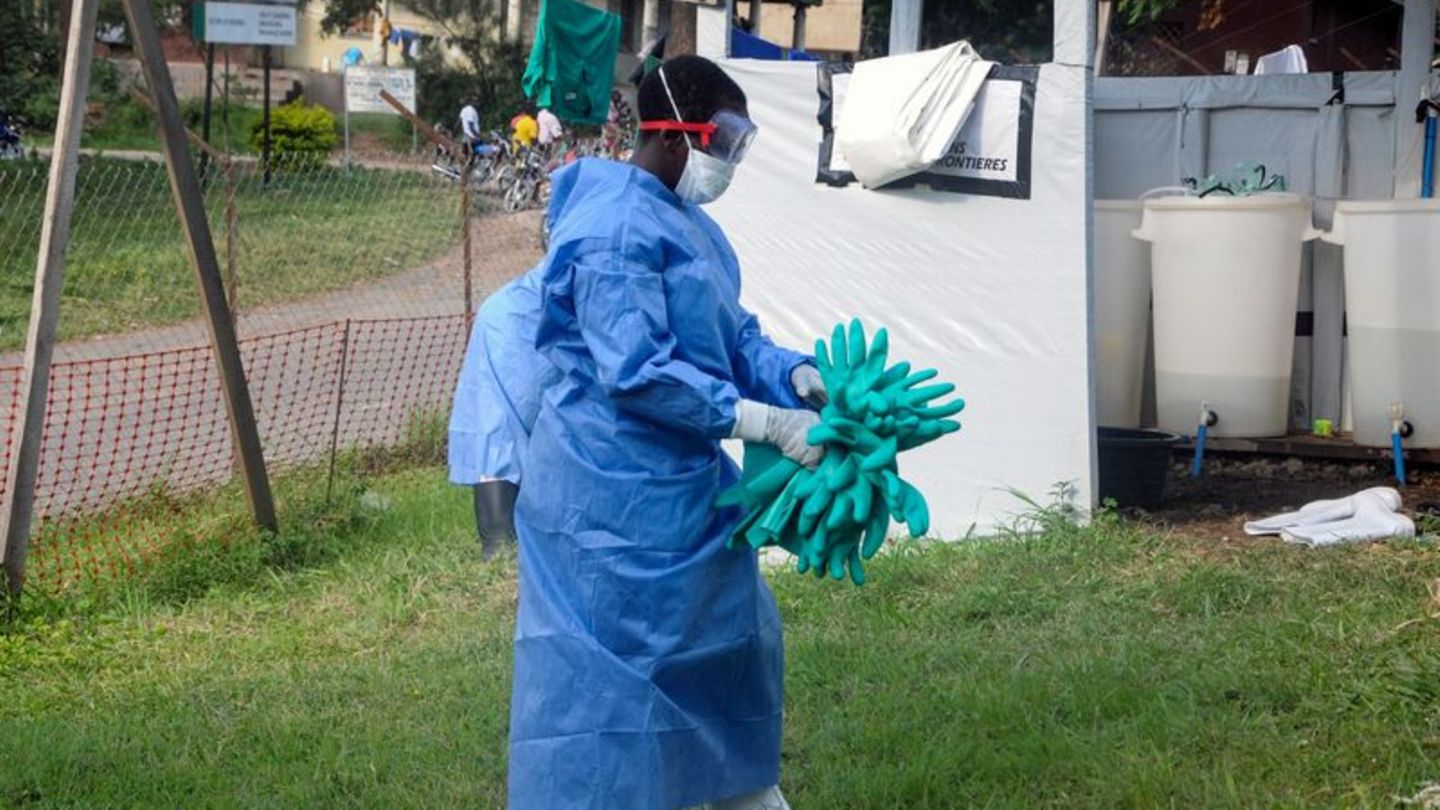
pixel 131 411
pixel 503 246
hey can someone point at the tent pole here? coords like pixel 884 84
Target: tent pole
pixel 1417 49
pixel 905 16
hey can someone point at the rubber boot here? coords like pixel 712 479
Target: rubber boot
pixel 495 515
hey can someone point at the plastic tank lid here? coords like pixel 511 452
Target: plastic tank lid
pixel 1267 200
pixel 1387 206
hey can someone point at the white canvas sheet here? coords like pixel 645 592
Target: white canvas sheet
pixel 989 290
pixel 904 111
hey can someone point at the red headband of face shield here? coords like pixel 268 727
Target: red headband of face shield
pixel 727 136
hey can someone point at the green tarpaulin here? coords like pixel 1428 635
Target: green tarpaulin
pixel 572 65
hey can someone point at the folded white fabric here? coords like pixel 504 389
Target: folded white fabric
pixel 1289 59
pixel 1369 524
pixel 901 113
pixel 1328 511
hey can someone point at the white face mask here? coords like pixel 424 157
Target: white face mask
pixel 705 177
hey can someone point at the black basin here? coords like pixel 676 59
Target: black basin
pixel 1133 465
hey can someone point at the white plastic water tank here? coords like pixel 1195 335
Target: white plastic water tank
pixel 1226 276
pixel 1122 311
pixel 1392 315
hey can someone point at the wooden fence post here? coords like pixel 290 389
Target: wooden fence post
pixel 18 510
pixel 190 205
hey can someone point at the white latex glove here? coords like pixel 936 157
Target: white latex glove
pixel 809 386
pixel 786 428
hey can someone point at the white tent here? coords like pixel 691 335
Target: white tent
pixel 992 285
pixel 989 285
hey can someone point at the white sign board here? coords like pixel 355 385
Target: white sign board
pixel 249 24
pixel 988 144
pixel 363 84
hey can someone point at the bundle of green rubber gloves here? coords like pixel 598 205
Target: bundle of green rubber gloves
pixel 835 516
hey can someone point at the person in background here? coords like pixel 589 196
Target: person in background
pixel 496 402
pixel 620 113
pixel 649 663
pixel 470 123
pixel 524 129
pixel 551 130
pixel 618 124
pixel 502 382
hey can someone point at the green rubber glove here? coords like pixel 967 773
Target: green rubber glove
pixel 835 516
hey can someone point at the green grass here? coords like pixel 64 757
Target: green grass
pixel 390 133
pixel 124 125
pixel 365 660
pixel 127 267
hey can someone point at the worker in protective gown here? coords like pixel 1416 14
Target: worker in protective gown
pixel 495 405
pixel 498 397
pixel 648 656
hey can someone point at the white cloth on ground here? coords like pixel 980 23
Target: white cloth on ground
pixel 1363 528
pixel 1317 512
pixel 1372 514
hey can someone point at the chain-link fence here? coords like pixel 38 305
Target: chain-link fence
pixel 350 285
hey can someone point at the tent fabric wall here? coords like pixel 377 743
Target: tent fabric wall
pixel 1153 132
pixel 991 291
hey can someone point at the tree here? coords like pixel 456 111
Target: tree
pixel 493 66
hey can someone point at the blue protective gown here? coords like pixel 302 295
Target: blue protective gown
pixel 501 384
pixel 503 378
pixel 648 657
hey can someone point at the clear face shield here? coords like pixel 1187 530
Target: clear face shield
pixel 726 137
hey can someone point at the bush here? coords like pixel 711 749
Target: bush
pixel 39 107
pixel 301 135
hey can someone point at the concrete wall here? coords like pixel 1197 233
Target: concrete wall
pixel 247 82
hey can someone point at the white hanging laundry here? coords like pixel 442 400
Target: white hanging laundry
pixel 1327 511
pixel 1290 59
pixel 901 113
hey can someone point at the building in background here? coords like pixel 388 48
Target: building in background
pixel 316 50
pixel 832 29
